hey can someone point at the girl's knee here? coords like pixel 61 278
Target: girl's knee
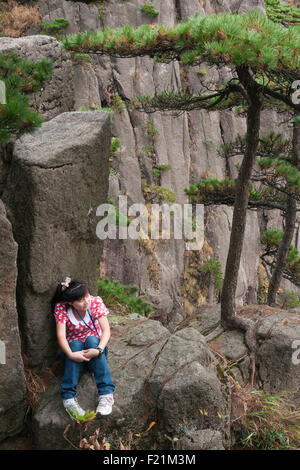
pixel 76 345
pixel 91 342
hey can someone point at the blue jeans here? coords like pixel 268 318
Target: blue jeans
pixel 98 365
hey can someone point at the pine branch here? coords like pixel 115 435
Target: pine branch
pixel 20 77
pixel 250 39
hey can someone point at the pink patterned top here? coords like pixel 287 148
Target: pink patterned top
pixel 77 329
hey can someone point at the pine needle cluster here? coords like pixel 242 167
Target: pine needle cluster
pixel 20 77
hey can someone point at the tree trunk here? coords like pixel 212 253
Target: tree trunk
pixel 290 219
pixel 229 319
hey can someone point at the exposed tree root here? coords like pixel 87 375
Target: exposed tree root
pixel 249 327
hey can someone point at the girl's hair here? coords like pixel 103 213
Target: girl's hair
pixel 76 290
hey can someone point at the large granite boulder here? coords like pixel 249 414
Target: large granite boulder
pixel 278 364
pixel 58 178
pixel 163 378
pixel 12 378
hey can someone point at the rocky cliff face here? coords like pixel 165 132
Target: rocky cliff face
pixel 55 157
pixel 187 143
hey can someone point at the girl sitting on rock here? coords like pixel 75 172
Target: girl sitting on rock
pixel 82 332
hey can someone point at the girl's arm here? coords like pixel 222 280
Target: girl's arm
pixel 104 325
pixel 64 345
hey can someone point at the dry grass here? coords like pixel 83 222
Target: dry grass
pixel 36 386
pixel 264 421
pixel 97 441
pixel 16 19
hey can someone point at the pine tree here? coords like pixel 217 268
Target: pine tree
pixel 279 179
pixel 20 77
pixel 265 61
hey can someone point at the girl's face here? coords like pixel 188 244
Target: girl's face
pixel 82 304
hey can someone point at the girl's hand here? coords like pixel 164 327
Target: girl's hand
pixel 78 356
pixel 90 353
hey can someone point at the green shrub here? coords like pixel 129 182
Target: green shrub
pixel 213 266
pixel 117 103
pixel 82 57
pixel 149 9
pixel 150 130
pixel 101 12
pixel 288 299
pixel 280 12
pixel 115 144
pixel 121 299
pixel 20 77
pixel 112 171
pixel 163 166
pixel 165 194
pixel 57 25
pixel 155 172
pixel 114 216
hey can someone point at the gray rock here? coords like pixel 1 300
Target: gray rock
pixel 205 439
pixel 193 389
pixel 63 170
pixel 12 377
pixel 278 363
pixel 232 344
pixel 208 319
pixel 239 6
pixel 159 377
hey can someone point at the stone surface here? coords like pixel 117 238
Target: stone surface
pixel 278 362
pixel 63 170
pixel 159 377
pixel 12 378
pixel 232 344
pixel 206 439
pixel 208 319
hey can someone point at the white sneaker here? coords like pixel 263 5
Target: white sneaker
pixel 105 404
pixel 71 405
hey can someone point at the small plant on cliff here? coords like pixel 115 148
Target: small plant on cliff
pixel 271 240
pixel 158 168
pixel 149 9
pixel 150 130
pixel 288 299
pixel 151 193
pixel 82 58
pixel 115 144
pixel 55 26
pixel 114 217
pixel 101 11
pixel 117 103
pixel 121 299
pixel 213 267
